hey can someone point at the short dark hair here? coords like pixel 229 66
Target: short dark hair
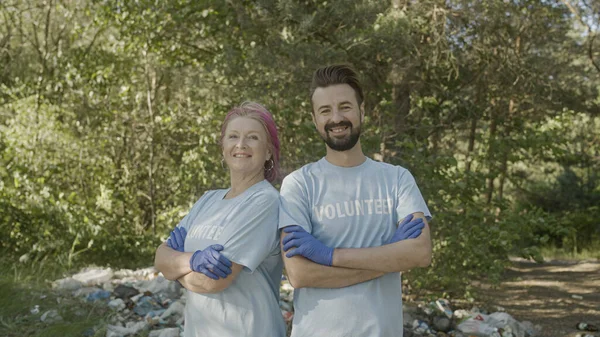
pixel 336 74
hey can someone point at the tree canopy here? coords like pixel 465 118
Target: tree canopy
pixel 110 114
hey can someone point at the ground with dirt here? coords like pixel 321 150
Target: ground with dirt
pixel 555 294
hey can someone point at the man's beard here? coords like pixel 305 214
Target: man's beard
pixel 341 144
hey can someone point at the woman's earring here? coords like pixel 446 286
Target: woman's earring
pixel 269 168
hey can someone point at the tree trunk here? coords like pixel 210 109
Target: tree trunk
pixel 504 165
pixel 471 148
pixel 151 83
pixel 491 151
pixel 401 105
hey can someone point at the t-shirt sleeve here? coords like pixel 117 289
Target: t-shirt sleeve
pixel 410 199
pixel 294 208
pixel 255 233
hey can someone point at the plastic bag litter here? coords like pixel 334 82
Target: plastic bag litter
pixel 94 276
pixel 485 325
pixel 131 328
pixel 168 332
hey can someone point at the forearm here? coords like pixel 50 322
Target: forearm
pixel 171 263
pixel 304 273
pixel 199 283
pixel 397 257
pixel 202 284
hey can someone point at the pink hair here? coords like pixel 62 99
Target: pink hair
pixel 260 113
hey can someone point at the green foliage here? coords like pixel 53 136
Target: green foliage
pixel 110 117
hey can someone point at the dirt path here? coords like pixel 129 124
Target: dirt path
pixel 543 294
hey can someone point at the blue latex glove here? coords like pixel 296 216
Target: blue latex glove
pixel 408 229
pixel 306 245
pixel 177 239
pixel 211 263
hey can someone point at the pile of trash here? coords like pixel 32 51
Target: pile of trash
pixel 142 300
pixel 439 320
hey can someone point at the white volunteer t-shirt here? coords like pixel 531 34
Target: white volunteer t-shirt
pixel 247 227
pixel 350 207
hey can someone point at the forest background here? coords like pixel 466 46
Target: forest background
pixel 110 112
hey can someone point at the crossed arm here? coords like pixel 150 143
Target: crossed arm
pixel 303 273
pixel 395 257
pixel 175 265
pixel 351 266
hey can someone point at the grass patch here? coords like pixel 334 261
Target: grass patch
pixel 554 253
pixel 23 287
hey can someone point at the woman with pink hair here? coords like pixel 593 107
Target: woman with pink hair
pixel 225 252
